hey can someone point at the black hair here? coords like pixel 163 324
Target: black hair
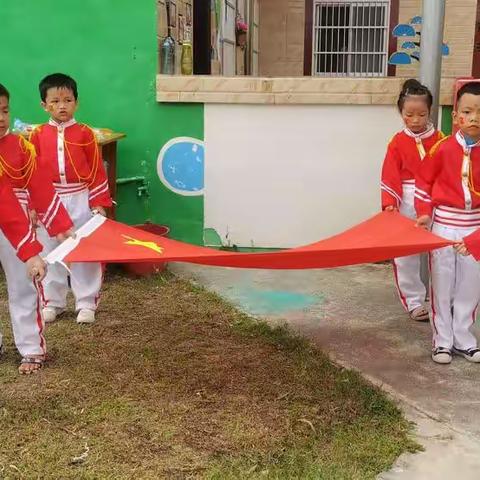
pixel 470 87
pixel 57 80
pixel 414 87
pixel 4 92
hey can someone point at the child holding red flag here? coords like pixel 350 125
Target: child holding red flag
pixel 22 170
pixel 71 151
pixel 404 157
pixel 448 191
pixel 16 228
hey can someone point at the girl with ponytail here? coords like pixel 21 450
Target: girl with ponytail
pixel 404 157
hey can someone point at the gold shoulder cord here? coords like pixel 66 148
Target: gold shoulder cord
pixel 434 149
pixel 90 178
pixel 471 185
pixel 24 172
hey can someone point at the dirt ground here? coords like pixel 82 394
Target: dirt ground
pixel 172 382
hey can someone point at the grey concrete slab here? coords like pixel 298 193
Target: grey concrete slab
pixel 353 314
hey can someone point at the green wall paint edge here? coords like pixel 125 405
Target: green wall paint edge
pixel 110 48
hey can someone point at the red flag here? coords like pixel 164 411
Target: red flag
pixel 386 235
pixel 472 242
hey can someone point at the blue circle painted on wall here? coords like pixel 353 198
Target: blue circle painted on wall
pixel 180 165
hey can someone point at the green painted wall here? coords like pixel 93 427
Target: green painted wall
pixel 109 47
pixel 447 120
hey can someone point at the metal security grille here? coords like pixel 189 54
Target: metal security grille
pixel 350 38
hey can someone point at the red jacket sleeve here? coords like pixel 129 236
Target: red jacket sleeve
pixel 98 192
pixel 425 179
pixel 391 183
pixel 43 197
pixel 15 224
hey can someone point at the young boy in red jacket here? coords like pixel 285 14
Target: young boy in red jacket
pixel 16 228
pixel 79 176
pixel 447 195
pixel 21 170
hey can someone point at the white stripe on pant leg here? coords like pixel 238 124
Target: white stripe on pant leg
pixel 467 297
pixel 442 278
pixel 23 302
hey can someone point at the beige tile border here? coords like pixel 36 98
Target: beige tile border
pixel 281 91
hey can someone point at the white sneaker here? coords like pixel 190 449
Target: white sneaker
pixel 86 315
pixel 472 355
pixel 442 355
pixel 50 314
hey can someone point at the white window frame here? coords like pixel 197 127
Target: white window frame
pixel 254 16
pixel 227 39
pixel 350 56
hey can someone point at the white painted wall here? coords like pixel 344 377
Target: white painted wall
pixel 281 176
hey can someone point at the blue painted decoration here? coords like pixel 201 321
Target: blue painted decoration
pixel 271 302
pixel 180 166
pixel 400 58
pixel 408 30
pixel 403 30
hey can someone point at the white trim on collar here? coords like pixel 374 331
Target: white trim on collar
pixel 63 125
pixel 5 134
pixel 461 140
pixel 422 135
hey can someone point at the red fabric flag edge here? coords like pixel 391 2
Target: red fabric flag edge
pixel 384 236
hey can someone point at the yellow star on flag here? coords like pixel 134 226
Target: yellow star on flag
pixel 140 243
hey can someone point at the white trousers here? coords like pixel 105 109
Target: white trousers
pixel 23 303
pixel 455 292
pixel 407 270
pixel 85 278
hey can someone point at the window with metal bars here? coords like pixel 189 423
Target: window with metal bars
pixel 350 38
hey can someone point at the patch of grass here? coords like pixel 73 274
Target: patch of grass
pixel 172 382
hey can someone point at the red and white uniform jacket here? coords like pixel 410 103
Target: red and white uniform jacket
pixel 76 162
pixel 31 183
pixel 449 181
pixel 404 157
pixel 15 224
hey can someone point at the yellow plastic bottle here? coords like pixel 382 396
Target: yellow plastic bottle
pixel 186 60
